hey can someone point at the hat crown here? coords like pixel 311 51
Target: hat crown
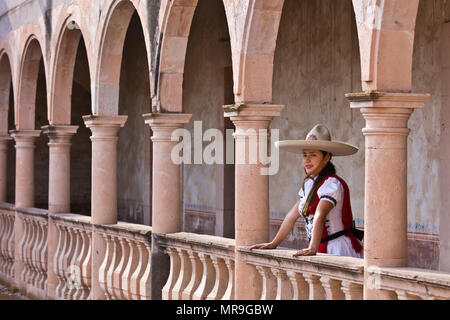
pixel 319 132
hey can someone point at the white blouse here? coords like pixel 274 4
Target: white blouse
pixel 333 191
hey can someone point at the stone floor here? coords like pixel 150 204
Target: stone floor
pixel 6 294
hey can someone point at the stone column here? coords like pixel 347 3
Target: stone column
pixel 4 146
pixel 385 204
pixel 166 193
pixel 105 130
pixel 25 144
pixel 59 189
pixel 251 190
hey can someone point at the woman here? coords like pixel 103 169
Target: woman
pixel 324 198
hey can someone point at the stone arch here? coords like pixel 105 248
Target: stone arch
pixel 175 23
pixel 253 47
pixel 105 93
pixel 72 30
pixel 5 87
pixel 386 39
pixel 28 76
pixel 62 75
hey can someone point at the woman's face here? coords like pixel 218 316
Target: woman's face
pixel 314 161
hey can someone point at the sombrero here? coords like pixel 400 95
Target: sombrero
pixel 319 138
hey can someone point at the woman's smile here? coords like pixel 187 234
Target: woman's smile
pixel 313 161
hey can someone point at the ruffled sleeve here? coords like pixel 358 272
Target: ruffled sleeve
pixel 331 190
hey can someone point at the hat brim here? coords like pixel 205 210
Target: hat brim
pixel 336 148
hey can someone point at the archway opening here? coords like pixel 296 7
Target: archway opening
pixel 316 63
pixel 81 150
pixel 134 170
pixel 208 193
pixel 429 141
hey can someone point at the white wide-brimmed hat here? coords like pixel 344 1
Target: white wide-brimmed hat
pixel 319 138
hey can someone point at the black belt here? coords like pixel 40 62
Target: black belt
pixel 333 236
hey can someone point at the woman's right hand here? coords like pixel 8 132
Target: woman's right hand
pixel 268 245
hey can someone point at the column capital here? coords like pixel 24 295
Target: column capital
pixel 25 134
pixel 177 120
pixel 252 111
pixel 5 138
pixel 379 99
pixel 59 130
pixel 104 126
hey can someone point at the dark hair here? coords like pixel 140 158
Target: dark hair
pixel 328 170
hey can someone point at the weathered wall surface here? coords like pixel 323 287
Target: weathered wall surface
pixel 81 150
pixel 208 55
pixel 134 161
pixel 428 171
pixel 316 64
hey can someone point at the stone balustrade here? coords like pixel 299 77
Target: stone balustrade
pixel 33 250
pixel 72 258
pixel 201 267
pixel 7 216
pixel 410 283
pixel 284 277
pixel 125 271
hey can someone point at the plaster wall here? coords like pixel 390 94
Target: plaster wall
pixel 81 150
pixel 429 143
pixel 207 60
pixel 134 161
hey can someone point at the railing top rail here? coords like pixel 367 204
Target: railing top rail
pixel 128 230
pixel 71 218
pixel 285 258
pixel 35 212
pixel 423 276
pixel 6 206
pixel 197 240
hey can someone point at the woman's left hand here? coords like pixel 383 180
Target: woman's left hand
pixel 306 252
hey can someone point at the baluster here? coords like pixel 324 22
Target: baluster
pixel 3 234
pixel 35 254
pixel 84 250
pixel 74 269
pixel 352 291
pixel 23 248
pixel 299 285
pixel 138 272
pixel 229 293
pixel 196 278
pixel 39 255
pixel 184 277
pixel 105 266
pixel 66 263
pixel 175 264
pixel 208 278
pixel 118 272
pixel 332 288
pixel 115 260
pixel 31 255
pixel 269 283
pixel 30 274
pixel 284 290
pixel 221 279
pixel 145 291
pixel 129 269
pixel 44 256
pixel 316 291
pixel 11 246
pixel 57 259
